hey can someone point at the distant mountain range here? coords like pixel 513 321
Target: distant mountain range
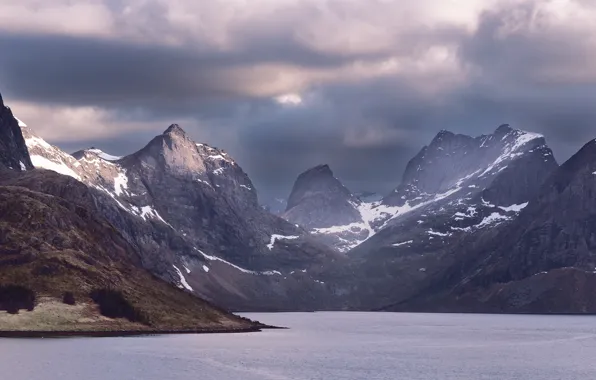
pixel 488 223
pixel 484 181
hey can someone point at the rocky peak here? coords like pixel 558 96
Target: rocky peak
pixel 503 130
pixel 452 159
pixel 13 151
pixel 318 181
pixel 319 201
pixel 175 130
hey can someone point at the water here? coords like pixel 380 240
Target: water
pixel 327 346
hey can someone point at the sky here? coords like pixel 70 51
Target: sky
pixel 284 85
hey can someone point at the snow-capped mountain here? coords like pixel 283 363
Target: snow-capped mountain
pixel 483 181
pixel 453 190
pixel 194 215
pixel 543 261
pixel 478 182
pixel 320 203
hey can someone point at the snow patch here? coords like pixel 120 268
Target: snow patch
pixel 215 258
pixel 402 243
pixel 352 227
pixel 217 157
pixel 466 229
pixel 206 268
pixel 43 163
pixel 493 218
pixel 436 233
pixel 274 238
pixel 515 208
pixel 149 211
pixel 21 124
pixel 23 167
pixel 101 154
pixel 183 283
pixel 271 273
pixel 120 183
pixel 243 270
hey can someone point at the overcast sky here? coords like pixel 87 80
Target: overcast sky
pixel 284 85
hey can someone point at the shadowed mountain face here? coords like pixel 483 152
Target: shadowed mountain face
pixel 193 214
pixel 13 152
pixel 452 162
pixel 318 187
pixel 319 202
pixel 545 260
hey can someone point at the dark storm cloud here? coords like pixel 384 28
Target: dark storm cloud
pixel 87 71
pixel 513 70
pixel 539 80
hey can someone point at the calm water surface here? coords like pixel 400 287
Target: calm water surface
pixel 327 346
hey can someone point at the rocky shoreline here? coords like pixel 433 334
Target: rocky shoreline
pixel 130 333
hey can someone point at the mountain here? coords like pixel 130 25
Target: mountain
pixel 320 203
pixel 72 270
pixel 454 162
pixel 193 214
pixel 544 261
pixel 453 191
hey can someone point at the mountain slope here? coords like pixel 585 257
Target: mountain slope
pixel 51 247
pixel 193 214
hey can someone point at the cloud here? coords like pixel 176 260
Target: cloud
pixel 376 79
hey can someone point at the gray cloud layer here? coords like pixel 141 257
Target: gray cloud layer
pixel 367 106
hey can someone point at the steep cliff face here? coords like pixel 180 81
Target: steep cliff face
pixel 13 152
